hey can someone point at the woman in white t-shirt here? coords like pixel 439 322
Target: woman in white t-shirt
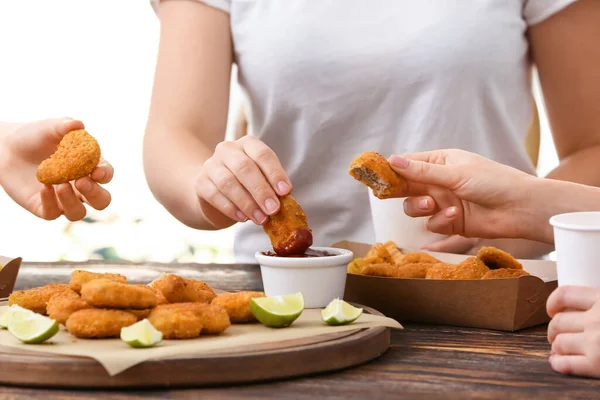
pixel 327 80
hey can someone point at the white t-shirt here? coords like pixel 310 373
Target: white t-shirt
pixel 326 80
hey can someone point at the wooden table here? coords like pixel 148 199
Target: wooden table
pixel 424 361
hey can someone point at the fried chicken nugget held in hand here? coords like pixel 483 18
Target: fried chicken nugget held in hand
pixel 36 299
pixel 505 273
pixel 373 170
pixel 62 305
pixel 176 289
pixel 95 323
pixel 77 155
pixel 237 305
pixel 79 277
pixel 176 324
pixel 288 229
pixel 106 293
pixel 213 318
pixel 495 258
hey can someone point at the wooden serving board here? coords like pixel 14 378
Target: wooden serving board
pixel 268 361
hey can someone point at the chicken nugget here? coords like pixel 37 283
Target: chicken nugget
pixel 495 258
pixel 419 257
pixel 237 305
pixel 176 324
pixel 36 299
pixel 62 305
pixel 386 269
pixel 77 155
pixel 471 268
pixel 413 271
pixel 373 170
pixel 288 229
pixel 79 277
pixel 140 314
pixel 96 323
pixel 213 318
pixel 505 273
pixel 441 271
pixel 176 289
pixel 106 293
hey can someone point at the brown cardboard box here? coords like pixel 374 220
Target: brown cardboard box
pixel 501 304
pixel 8 275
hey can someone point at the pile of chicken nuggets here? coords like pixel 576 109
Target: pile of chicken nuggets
pixel 385 259
pixel 98 305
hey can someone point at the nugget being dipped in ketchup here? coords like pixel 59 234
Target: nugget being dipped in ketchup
pixel 288 229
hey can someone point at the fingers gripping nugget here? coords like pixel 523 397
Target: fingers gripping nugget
pixel 237 305
pixel 495 258
pixel 62 305
pixel 373 170
pixel 36 299
pixel 504 273
pixel 176 289
pixel 212 318
pixel 288 229
pixel 77 155
pixel 94 323
pixel 107 293
pixel 79 277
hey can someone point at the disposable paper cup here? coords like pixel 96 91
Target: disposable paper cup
pixel 319 279
pixel 391 223
pixel 577 241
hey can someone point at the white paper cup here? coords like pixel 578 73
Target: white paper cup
pixel 577 242
pixel 319 279
pixel 391 223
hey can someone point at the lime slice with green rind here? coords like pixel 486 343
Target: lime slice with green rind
pixel 338 312
pixel 5 314
pixel 30 327
pixel 141 334
pixel 277 311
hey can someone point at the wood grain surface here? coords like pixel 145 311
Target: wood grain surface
pixel 423 362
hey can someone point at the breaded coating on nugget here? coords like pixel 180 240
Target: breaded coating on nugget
pixel 79 277
pixel 495 258
pixel 505 273
pixel 140 314
pixel 36 299
pixel 77 155
pixel 177 289
pixel 106 293
pixel 237 305
pixel 414 270
pixel 441 271
pixel 419 257
pixel 288 229
pixel 213 318
pixel 62 305
pixel 386 269
pixel 373 170
pixel 471 268
pixel 95 323
pixel 180 324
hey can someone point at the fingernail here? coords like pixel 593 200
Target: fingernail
pixel 241 217
pixel 100 174
pixel 283 187
pixel 271 206
pixel 259 217
pixel 451 212
pixel 85 186
pixel 399 162
pixel 423 204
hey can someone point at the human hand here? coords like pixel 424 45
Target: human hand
pixel 23 150
pixel 574 330
pixel 242 180
pixel 466 194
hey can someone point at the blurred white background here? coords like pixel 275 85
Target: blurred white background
pixel 94 60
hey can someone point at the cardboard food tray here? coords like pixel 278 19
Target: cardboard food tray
pixel 8 274
pixel 501 304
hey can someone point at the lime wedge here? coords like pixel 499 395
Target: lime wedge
pixel 277 311
pixel 30 327
pixel 141 334
pixel 338 312
pixel 5 314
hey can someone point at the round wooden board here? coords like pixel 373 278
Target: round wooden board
pixel 269 361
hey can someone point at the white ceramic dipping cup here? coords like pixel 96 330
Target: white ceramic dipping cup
pixel 391 223
pixel 577 242
pixel 319 279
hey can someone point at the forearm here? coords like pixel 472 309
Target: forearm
pixel 579 167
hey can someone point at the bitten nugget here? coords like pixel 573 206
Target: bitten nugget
pixel 180 324
pixel 419 257
pixel 79 277
pixel 94 323
pixel 288 229
pixel 77 155
pixel 441 271
pixel 213 318
pixel 495 258
pixel 505 273
pixel 237 305
pixel 107 293
pixel 373 170
pixel 62 305
pixel 36 299
pixel 177 289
